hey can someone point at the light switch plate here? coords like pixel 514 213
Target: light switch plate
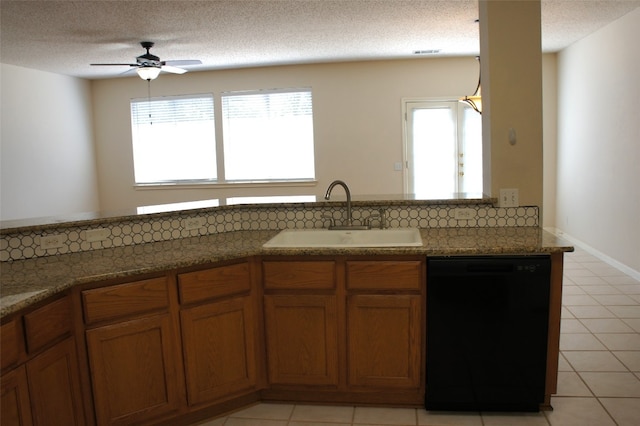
pixel 509 197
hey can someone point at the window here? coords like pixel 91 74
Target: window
pixel 267 136
pixel 173 139
pixel 443 145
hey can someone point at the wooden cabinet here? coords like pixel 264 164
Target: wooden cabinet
pixel 54 386
pixel 162 347
pixel 343 329
pixel 350 327
pixel 384 339
pixel 11 345
pixel 48 323
pixel 133 352
pixel 301 322
pixel 384 323
pixel 15 405
pixel 44 388
pixel 385 275
pixel 133 368
pixel 218 333
pixel 299 275
pixel 301 338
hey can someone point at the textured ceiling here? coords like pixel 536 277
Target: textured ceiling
pixel 66 36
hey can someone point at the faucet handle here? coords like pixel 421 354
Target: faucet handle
pixel 383 218
pixel 379 215
pixel 332 221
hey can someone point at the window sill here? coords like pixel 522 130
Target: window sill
pixel 227 184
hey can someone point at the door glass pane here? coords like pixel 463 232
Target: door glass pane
pixel 443 149
pixel 433 153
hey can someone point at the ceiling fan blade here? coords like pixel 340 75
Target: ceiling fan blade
pixel 148 60
pixel 119 65
pixel 182 62
pixel 173 70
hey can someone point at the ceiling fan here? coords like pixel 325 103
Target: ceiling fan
pixel 148 66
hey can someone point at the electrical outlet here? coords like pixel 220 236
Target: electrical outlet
pixel 509 197
pixel 194 223
pixel 52 241
pixel 464 213
pixel 98 234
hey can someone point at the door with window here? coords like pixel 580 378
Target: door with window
pixel 443 149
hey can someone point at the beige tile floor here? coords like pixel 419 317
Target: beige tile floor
pixel 599 378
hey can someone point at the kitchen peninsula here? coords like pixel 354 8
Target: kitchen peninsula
pixel 207 311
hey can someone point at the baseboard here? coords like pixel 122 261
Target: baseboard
pixel 597 253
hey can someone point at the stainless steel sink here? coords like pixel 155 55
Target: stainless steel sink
pixel 397 237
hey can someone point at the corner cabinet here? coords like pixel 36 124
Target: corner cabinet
pixel 344 329
pixel 42 383
pixel 163 347
pixel 133 355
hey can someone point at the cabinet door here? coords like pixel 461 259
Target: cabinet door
pixel 54 386
pixel 133 367
pixel 302 343
pixel 11 344
pixel 384 341
pixel 14 402
pixel 219 349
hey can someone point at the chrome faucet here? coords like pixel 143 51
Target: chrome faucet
pixel 349 224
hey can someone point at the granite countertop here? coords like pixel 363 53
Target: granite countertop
pixel 25 282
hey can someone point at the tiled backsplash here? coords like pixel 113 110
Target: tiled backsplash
pixel 170 226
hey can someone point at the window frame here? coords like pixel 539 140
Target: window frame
pixel 222 144
pixel 221 181
pixel 171 182
pixel 408 104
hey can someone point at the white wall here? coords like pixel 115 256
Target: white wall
pixel 598 198
pixel 549 138
pixel 47 162
pixel 357 121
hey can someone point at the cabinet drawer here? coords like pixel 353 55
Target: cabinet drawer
pixel 10 344
pixel 384 275
pixel 299 275
pixel 128 299
pixel 46 324
pixel 216 282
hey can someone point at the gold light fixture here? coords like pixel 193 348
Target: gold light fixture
pixel 148 72
pixel 475 100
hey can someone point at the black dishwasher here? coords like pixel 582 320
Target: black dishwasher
pixel 487 321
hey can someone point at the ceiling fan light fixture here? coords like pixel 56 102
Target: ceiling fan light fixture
pixel 148 73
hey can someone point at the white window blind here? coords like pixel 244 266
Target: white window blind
pixel 268 135
pixel 174 139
